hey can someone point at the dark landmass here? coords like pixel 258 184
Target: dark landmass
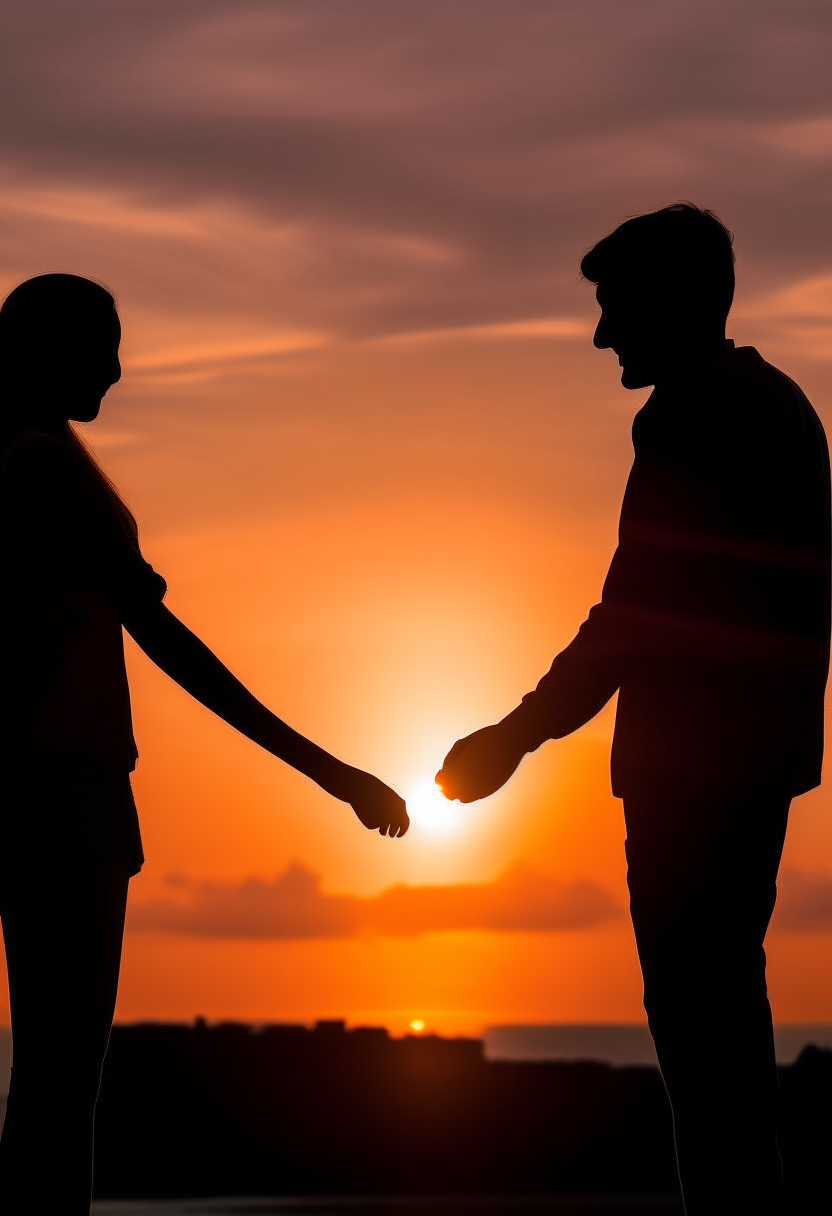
pixel 396 1205
pixel 230 1109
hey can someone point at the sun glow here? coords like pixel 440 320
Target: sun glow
pixel 417 1025
pixel 430 811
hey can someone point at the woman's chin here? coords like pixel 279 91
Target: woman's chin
pixel 84 409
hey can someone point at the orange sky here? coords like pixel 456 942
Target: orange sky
pixel 373 452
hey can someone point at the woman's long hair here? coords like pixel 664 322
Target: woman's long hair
pixel 40 320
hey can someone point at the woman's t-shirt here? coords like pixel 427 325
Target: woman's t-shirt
pixel 72 573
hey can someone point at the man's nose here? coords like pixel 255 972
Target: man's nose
pixel 601 338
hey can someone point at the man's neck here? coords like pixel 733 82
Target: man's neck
pixel 692 360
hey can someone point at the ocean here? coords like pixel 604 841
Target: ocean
pixel 622 1044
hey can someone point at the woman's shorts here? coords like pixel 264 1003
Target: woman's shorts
pixel 57 811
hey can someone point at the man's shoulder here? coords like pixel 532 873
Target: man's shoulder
pixel 760 395
pixel 745 369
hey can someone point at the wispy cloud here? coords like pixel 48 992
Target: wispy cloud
pixel 378 169
pixel 203 359
pixel 294 905
pixel 535 327
pixel 799 314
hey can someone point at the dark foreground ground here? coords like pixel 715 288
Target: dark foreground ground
pixel 460 1205
pixel 230 1110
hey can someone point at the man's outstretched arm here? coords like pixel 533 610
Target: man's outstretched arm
pixel 579 683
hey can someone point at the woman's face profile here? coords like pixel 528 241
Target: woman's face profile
pixel 86 368
pixel 59 340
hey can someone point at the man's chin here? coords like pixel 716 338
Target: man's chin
pixel 633 376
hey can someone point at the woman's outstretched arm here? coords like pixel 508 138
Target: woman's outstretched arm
pixel 188 661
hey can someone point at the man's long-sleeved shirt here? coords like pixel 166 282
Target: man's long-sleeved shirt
pixel 714 620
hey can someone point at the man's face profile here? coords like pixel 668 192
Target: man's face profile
pixel 630 327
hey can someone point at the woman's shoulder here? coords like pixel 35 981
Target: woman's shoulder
pixel 44 478
pixel 31 443
pixel 34 459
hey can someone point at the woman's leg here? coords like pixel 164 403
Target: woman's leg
pixel 63 934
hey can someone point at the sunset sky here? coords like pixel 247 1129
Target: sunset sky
pixel 372 450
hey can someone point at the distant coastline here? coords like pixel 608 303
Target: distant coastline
pixel 603 1042
pixel 622 1043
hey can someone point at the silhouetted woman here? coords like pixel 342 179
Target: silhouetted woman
pixel 73 576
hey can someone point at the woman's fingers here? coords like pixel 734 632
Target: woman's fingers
pixel 400 822
pixel 379 808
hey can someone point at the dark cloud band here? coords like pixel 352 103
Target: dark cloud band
pixel 455 159
pixel 294 906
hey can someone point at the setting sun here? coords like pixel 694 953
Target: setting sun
pixel 417 1025
pixel 430 811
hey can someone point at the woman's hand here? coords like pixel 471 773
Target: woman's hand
pixel 376 805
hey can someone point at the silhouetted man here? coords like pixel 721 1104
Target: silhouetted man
pixel 713 627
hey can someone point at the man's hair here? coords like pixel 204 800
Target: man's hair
pixel 681 253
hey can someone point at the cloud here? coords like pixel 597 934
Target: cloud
pixel 293 906
pixel 805 903
pixel 201 359
pixel 800 314
pixel 547 328
pixel 436 165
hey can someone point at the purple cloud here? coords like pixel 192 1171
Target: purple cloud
pixel 434 163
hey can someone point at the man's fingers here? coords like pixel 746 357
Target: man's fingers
pixel 443 778
pixel 446 784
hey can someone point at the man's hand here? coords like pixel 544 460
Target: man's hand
pixel 375 804
pixel 481 763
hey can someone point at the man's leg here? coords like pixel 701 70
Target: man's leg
pixel 702 873
pixel 63 934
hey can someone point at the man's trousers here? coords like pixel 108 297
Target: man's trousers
pixel 702 870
